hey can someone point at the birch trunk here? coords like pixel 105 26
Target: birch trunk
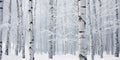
pixel 8 32
pixel 21 40
pixel 82 17
pixel 31 30
pixel 1 19
pixel 93 24
pixel 90 8
pixel 66 26
pixel 100 28
pixel 52 28
pixel 116 31
pixel 18 46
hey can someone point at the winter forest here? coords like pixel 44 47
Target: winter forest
pixel 59 29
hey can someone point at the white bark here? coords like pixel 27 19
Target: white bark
pixel 31 30
pixel 52 28
pixel 64 26
pixel 93 23
pixel 8 32
pixel 21 39
pixel 90 7
pixel 18 47
pixel 82 17
pixel 100 29
pixel 1 19
pixel 116 31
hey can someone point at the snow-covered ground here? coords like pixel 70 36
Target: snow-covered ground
pixel 105 57
pixel 57 57
pixel 38 56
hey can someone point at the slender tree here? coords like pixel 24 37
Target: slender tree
pixel 52 28
pixel 1 19
pixel 91 27
pixel 55 14
pixel 116 31
pixel 31 30
pixel 82 23
pixel 100 29
pixel 8 32
pixel 18 46
pixel 21 31
pixel 20 40
pixel 64 26
pixel 93 23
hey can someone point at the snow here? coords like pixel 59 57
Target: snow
pixel 106 57
pixel 57 57
pixel 39 57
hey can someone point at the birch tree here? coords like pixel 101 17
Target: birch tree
pixel 100 28
pixel 116 31
pixel 18 46
pixel 20 40
pixel 1 19
pixel 90 9
pixel 31 30
pixel 21 28
pixel 93 27
pixel 82 23
pixel 8 32
pixel 52 24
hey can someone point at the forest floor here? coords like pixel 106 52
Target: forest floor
pixel 57 57
pixel 38 56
